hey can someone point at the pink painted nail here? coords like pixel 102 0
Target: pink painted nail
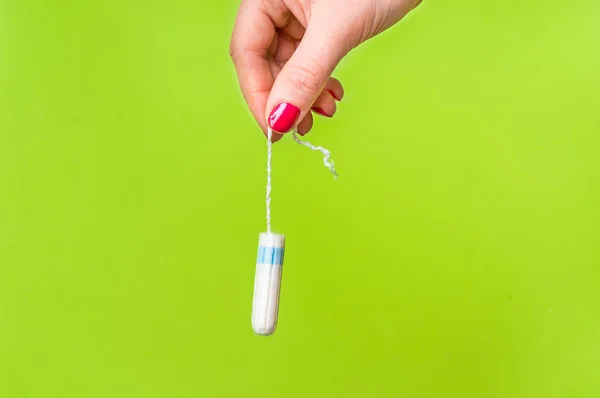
pixel 334 96
pixel 283 117
pixel 320 111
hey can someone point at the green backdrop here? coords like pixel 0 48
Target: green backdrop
pixel 458 255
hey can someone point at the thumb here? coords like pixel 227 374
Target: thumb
pixel 304 76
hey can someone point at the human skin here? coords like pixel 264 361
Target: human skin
pixel 285 51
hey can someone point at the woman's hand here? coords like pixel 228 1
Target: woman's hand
pixel 285 51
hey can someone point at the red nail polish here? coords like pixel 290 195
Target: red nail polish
pixel 320 111
pixel 334 96
pixel 283 117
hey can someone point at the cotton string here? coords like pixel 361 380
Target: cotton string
pixel 269 155
pixel 326 160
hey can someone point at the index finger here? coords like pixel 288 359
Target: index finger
pixel 253 34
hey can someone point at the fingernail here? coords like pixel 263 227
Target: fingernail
pixel 320 111
pixel 283 117
pixel 334 96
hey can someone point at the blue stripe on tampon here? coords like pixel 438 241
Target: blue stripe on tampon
pixel 270 255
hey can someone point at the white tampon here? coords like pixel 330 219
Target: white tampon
pixel 269 264
pixel 267 283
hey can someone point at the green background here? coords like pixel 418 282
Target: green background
pixel 458 255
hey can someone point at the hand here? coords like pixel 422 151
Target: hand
pixel 285 51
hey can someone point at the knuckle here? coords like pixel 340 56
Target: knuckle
pixel 232 52
pixel 235 49
pixel 238 57
pixel 307 77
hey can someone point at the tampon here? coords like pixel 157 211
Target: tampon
pixel 267 283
